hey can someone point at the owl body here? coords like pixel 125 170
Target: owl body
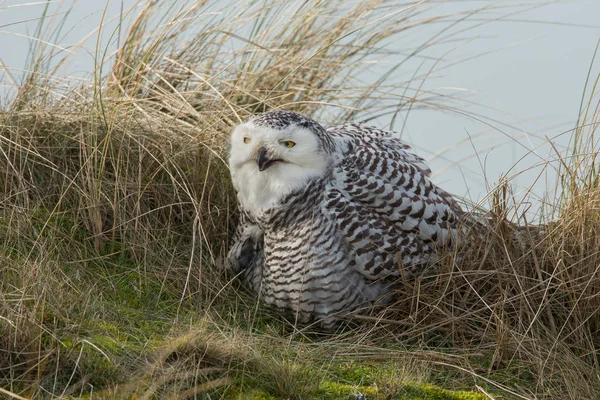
pixel 331 218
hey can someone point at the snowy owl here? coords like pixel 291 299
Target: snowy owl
pixel 330 218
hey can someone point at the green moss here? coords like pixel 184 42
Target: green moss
pixel 250 394
pixel 329 390
pixel 336 390
pixel 430 392
pixel 345 380
pixel 357 373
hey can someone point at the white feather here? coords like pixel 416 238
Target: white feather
pixel 260 190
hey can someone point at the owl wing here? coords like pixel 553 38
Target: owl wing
pixel 383 202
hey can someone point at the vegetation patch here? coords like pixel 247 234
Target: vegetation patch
pixel 116 208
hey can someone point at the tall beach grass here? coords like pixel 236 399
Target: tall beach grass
pixel 116 208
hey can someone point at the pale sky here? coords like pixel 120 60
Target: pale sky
pixel 525 70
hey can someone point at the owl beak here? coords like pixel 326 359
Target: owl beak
pixel 264 161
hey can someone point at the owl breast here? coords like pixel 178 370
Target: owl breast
pixel 308 272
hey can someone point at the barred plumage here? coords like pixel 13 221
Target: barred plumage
pixel 330 218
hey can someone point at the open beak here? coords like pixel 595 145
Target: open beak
pixel 264 161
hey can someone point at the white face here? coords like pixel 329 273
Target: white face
pixel 267 164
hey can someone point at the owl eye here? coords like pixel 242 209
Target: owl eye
pixel 246 140
pixel 287 143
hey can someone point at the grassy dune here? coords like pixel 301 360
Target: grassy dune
pixel 116 207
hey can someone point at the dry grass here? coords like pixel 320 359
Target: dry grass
pixel 116 205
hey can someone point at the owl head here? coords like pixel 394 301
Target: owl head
pixel 274 154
